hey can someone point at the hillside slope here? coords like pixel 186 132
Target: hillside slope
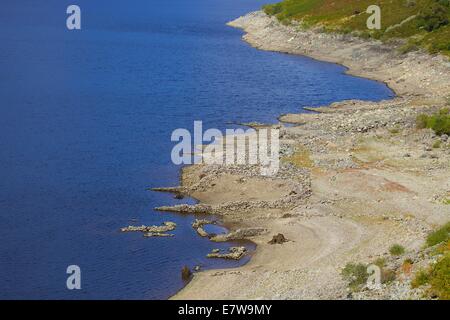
pixel 419 23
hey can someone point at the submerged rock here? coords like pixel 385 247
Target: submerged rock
pixel 169 189
pixel 157 234
pixel 202 232
pixel 153 231
pixel 198 226
pixel 201 222
pixel 178 196
pixel 178 192
pixel 234 253
pixel 186 273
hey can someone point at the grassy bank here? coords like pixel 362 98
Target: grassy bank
pixel 420 23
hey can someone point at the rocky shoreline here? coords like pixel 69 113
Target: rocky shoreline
pixel 355 178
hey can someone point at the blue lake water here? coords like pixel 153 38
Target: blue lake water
pixel 85 124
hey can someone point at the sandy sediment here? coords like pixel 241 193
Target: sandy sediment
pixel 355 177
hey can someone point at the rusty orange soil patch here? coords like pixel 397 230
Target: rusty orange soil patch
pixel 394 187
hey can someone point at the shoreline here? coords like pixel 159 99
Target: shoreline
pixel 357 190
pixel 349 51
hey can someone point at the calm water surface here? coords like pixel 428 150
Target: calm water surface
pixel 85 125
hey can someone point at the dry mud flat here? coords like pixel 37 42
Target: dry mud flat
pixel 355 178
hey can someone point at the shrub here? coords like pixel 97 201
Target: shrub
pixel 437 276
pixel 380 262
pixel 273 9
pixel 387 275
pixel 439 122
pixel 422 278
pixel 407 266
pixel 355 274
pixel 440 278
pixel 444 111
pixel 410 3
pixel 422 121
pixel 437 144
pixel 442 248
pixel 438 236
pixel 396 250
pixel 437 47
pixel 394 130
pixel 433 17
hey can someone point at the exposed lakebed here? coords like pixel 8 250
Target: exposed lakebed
pixel 86 119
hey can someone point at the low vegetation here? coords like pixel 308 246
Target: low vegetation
pixel 407 266
pixel 380 262
pixel 436 277
pixel 300 158
pixel 438 122
pixel 422 23
pixel 434 280
pixel 438 236
pixel 440 278
pixel 396 250
pixel 422 278
pixel 437 144
pixel 356 274
pixel 394 131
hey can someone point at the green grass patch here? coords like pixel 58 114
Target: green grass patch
pixel 438 122
pixel 380 262
pixel 421 278
pixel 396 250
pixel 440 278
pixel 394 131
pixel 442 248
pixel 356 275
pixel 440 235
pixel 437 277
pixel 436 144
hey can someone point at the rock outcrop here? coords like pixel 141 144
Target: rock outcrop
pixel 186 208
pixel 278 239
pixel 239 234
pixel 234 253
pixel 153 231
